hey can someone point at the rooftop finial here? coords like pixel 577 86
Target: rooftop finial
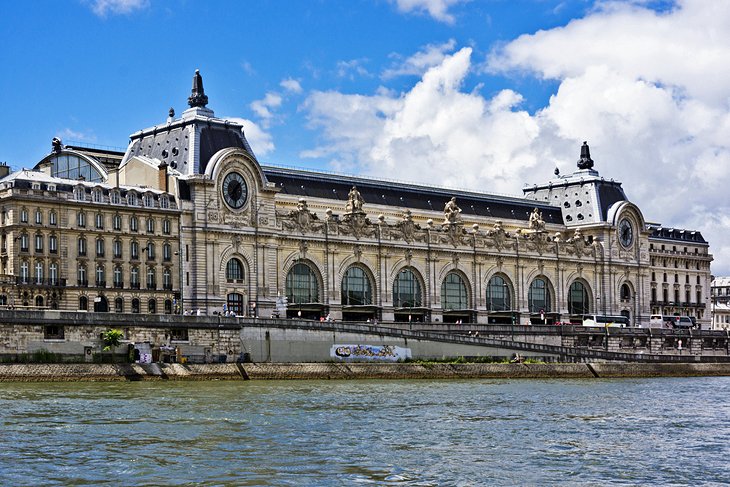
pixel 585 161
pixel 197 98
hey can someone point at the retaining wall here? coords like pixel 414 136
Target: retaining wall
pixel 279 371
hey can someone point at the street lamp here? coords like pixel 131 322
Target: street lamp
pixel 178 254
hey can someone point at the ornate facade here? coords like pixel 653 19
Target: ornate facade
pixel 267 241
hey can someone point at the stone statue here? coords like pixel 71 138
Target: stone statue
pixel 354 201
pixel 56 144
pixel 451 211
pixel 536 222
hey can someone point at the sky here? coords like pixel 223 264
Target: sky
pixel 486 95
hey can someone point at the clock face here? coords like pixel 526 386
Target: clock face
pixel 235 191
pixel 625 233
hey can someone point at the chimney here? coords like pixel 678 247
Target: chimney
pixel 162 177
pixel 4 170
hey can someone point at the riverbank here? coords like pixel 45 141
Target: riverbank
pixel 341 371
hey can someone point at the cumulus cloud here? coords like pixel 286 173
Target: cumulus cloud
pixel 429 56
pixel 102 8
pixel 650 92
pixel 354 68
pixel 261 142
pixel 265 107
pixel 291 85
pixel 438 9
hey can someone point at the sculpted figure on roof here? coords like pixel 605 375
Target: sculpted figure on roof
pixel 451 211
pixel 354 201
pixel 536 222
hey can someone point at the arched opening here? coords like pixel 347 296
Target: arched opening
pixel 499 301
pixel 168 306
pixel 625 292
pixel 357 295
pixel 152 306
pixel 455 299
pixel 408 297
pixel 101 305
pixel 539 302
pixel 234 271
pixel 302 293
pixel 39 301
pixel 119 305
pixel 578 300
pixel 135 305
pixel 83 303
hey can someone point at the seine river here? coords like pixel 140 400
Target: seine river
pixel 463 433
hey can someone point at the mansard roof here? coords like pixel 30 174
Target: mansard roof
pixel 405 195
pixel 676 234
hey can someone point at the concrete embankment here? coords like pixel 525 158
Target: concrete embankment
pixel 304 371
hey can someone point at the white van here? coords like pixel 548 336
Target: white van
pixel 656 321
pixel 606 321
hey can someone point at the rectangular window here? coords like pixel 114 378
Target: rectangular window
pixel 53 332
pixel 179 334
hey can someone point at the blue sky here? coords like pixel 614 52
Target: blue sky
pixel 480 94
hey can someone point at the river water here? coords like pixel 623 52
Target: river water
pixel 672 431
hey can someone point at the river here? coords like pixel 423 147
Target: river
pixel 672 431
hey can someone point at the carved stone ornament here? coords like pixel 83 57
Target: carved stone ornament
pixel 578 245
pixel 236 241
pixel 301 219
pixel 408 256
pixel 354 201
pixel 536 223
pixel 358 225
pixel 499 238
pixel 303 247
pixel 538 242
pixel 406 228
pixel 357 251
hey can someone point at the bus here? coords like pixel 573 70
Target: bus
pixel 606 321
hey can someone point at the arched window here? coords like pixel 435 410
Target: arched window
pixel 71 166
pixel 39 272
pixel 117 222
pixel 453 292
pixel 52 217
pixel 53 273
pixel 167 279
pixel 578 300
pixel 301 285
pixel 133 224
pixel 119 305
pixel 83 303
pixel 118 279
pixel 150 225
pixel 626 292
pixel 134 249
pixel 166 252
pixel 407 290
pixel 356 288
pixel 166 226
pixel 81 274
pixel 499 297
pixel 81 219
pixel 132 198
pixel 134 277
pixel 168 306
pixel 150 251
pixel 100 247
pixel 135 305
pixel 82 246
pixel 152 306
pixel 151 280
pixel 100 276
pixel 234 270
pixel 24 272
pixel 538 297
pixel 39 301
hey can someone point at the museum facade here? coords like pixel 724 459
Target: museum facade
pixel 188 220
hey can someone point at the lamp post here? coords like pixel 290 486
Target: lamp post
pixel 180 307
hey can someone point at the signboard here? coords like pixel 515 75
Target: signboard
pixel 388 353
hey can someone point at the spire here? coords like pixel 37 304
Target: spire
pixel 585 161
pixel 197 98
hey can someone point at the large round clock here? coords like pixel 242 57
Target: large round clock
pixel 625 233
pixel 235 191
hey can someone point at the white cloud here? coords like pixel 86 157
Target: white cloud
pixel 68 135
pixel 261 142
pixel 291 85
pixel 438 9
pixel 102 8
pixel 429 56
pixel 352 69
pixel 264 107
pixel 649 91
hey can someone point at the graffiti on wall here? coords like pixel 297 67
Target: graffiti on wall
pixel 390 353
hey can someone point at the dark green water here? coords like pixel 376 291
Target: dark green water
pixel 477 432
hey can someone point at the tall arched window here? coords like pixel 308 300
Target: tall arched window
pixel 119 305
pixel 578 300
pixel 302 285
pixel 135 305
pixel 83 303
pixel 356 288
pixel 538 297
pixel 234 270
pixel 453 292
pixel 499 297
pixel 626 292
pixel 152 306
pixel 407 290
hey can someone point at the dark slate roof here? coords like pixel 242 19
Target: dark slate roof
pixel 214 138
pixel 336 187
pixel 172 139
pixel 676 234
pixel 609 192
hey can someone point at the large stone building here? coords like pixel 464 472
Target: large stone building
pixel 195 222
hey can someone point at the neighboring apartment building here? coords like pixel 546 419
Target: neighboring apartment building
pixel 353 248
pixel 720 303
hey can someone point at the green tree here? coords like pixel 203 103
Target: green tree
pixel 112 339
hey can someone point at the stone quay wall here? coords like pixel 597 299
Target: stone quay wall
pixel 351 371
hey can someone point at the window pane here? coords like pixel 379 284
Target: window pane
pixel 301 285
pixel 406 290
pixel 453 293
pixel 498 295
pixel 356 287
pixel 539 297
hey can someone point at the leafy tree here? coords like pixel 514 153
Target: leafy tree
pixel 112 339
